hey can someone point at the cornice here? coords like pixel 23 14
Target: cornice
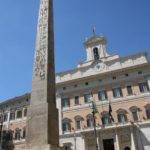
pixel 104 74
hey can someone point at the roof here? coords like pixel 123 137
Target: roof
pixel 95 39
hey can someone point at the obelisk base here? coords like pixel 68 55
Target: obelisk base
pixel 44 147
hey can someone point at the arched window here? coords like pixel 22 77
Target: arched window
pixel 135 113
pixel 17 134
pixel 127 148
pixel 122 117
pixel 66 126
pixel 96 54
pixel 67 146
pixel 147 108
pixel 89 120
pixel 105 118
pixel 78 120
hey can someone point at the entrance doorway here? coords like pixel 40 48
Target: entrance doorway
pixel 108 144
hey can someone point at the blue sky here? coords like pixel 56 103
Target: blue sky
pixel 125 23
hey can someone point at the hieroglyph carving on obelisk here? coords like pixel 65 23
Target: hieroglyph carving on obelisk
pixel 41 42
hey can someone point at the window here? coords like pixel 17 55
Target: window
pixel 100 80
pixel 65 102
pixel 76 100
pixel 114 77
pixel 24 133
pixel 78 121
pixel 19 114
pixel 64 88
pixel 96 54
pixel 102 95
pixel 10 135
pixel 148 111
pixel 12 116
pixel 90 121
pixel 66 126
pixel 105 119
pixel 143 87
pixel 86 83
pixel 5 117
pixel 122 118
pixel 117 92
pixel 139 72
pixel 126 74
pixel 88 98
pixel 127 148
pixel 78 124
pixel 17 134
pixel 75 85
pixel 66 147
pixel 135 115
pixel 25 112
pixel 135 111
pixel 129 90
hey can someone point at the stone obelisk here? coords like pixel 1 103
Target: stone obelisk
pixel 42 123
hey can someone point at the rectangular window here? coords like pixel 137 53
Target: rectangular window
pixel 25 112
pixel 76 100
pixel 117 92
pixel 148 113
pixel 19 114
pixel 106 120
pixel 143 87
pixel 102 95
pixel 66 147
pixel 129 90
pixel 12 116
pixel 122 118
pixel 78 124
pixel 5 117
pixel 90 123
pixel 65 102
pixel 135 115
pixel 66 126
pixel 88 98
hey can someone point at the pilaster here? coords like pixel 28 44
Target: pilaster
pixel 117 141
pixel 132 139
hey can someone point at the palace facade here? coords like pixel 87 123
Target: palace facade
pixel 120 85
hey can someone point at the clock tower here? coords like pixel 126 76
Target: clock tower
pixel 96 48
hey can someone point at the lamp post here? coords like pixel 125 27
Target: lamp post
pixel 94 110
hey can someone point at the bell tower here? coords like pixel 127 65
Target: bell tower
pixel 96 48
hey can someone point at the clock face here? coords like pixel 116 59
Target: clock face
pixel 99 66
